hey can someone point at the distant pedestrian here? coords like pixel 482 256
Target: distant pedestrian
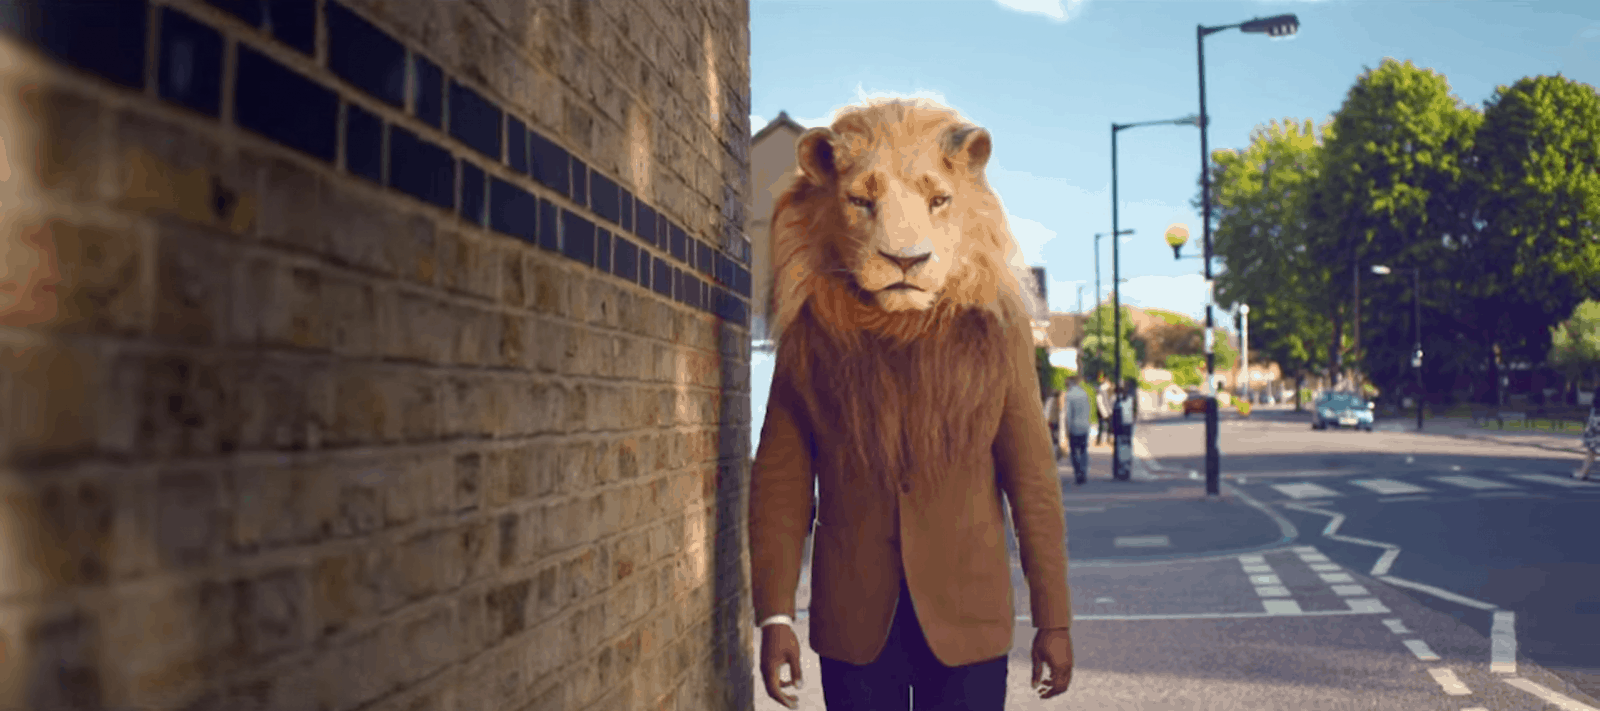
pixel 1591 437
pixel 1102 403
pixel 1076 423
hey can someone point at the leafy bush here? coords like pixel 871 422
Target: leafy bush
pixel 1244 408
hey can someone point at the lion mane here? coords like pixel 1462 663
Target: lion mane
pixel 897 377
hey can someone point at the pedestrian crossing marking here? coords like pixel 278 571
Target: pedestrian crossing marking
pixel 1389 486
pixel 1281 607
pixel 1252 559
pixel 1313 558
pixel 1448 681
pixel 1472 482
pixel 1324 567
pixel 1421 650
pixel 1349 590
pixel 1396 626
pixel 1336 578
pixel 1272 591
pixel 1365 604
pixel 1306 549
pixel 1258 569
pixel 1557 480
pixel 1265 580
pixel 1304 490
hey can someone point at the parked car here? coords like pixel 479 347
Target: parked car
pixel 1341 410
pixel 1196 402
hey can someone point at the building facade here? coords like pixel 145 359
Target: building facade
pixel 371 354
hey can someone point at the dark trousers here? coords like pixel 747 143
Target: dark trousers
pixel 907 677
pixel 1079 446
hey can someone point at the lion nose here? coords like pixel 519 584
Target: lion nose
pixel 906 263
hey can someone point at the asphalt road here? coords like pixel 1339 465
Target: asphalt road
pixel 1241 601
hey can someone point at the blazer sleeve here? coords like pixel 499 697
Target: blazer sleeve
pixel 1027 473
pixel 781 503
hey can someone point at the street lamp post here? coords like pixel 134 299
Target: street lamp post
pixel 1117 465
pixel 1276 26
pixel 1416 330
pixel 1097 292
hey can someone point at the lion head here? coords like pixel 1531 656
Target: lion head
pixel 890 226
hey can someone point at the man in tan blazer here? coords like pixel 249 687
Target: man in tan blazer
pixel 910 430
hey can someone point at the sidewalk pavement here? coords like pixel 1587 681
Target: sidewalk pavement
pixel 1513 433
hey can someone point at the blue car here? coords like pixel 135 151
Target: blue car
pixel 1341 410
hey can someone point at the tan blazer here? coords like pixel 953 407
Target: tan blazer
pixel 950 545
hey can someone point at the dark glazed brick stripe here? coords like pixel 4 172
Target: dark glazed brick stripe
pixel 577 238
pixel 604 199
pixel 421 169
pixel 363 143
pixel 474 121
pixel 427 85
pixel 366 56
pixel 109 38
pixel 105 37
pixel 473 197
pixel 190 73
pixel 550 164
pixel 513 211
pixel 288 108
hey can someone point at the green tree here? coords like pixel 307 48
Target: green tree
pixel 1529 222
pixel 1188 371
pixel 1095 349
pixel 1389 192
pixel 1263 236
pixel 1575 344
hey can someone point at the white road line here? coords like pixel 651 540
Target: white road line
pixel 1385 561
pixel 1503 643
pixel 1214 615
pixel 1350 590
pixel 1437 592
pixel 1420 648
pixel 1403 499
pixel 1549 696
pixel 1472 482
pixel 1252 559
pixel 1272 591
pixel 1566 481
pixel 1448 681
pixel 1281 607
pixel 1324 567
pixel 1389 486
pixel 1141 542
pixel 1313 557
pixel 1258 569
pixel 1305 549
pixel 1364 605
pixel 1104 600
pixel 1265 580
pixel 1396 625
pixel 1336 577
pixel 1304 490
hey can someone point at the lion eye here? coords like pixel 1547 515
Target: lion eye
pixel 938 200
pixel 862 203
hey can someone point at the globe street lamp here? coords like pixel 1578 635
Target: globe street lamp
pixel 1118 465
pixel 1416 329
pixel 1275 26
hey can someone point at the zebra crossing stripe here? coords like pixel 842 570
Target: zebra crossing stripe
pixel 1566 481
pixel 1304 490
pixel 1472 482
pixel 1389 486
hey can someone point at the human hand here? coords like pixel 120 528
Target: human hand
pixel 1052 649
pixel 779 646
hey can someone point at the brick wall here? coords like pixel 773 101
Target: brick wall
pixel 374 354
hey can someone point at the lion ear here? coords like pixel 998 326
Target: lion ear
pixel 969 146
pixel 815 153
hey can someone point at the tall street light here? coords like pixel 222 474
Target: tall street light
pixel 1117 465
pixel 1275 26
pixel 1416 330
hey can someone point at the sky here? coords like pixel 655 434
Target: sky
pixel 1048 77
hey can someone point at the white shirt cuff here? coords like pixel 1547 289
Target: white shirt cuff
pixel 777 620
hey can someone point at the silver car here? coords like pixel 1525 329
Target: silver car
pixel 1341 410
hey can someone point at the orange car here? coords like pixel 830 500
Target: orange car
pixel 1196 402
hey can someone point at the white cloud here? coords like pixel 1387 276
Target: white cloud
pixel 1058 10
pixel 864 95
pixel 756 123
pixel 814 122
